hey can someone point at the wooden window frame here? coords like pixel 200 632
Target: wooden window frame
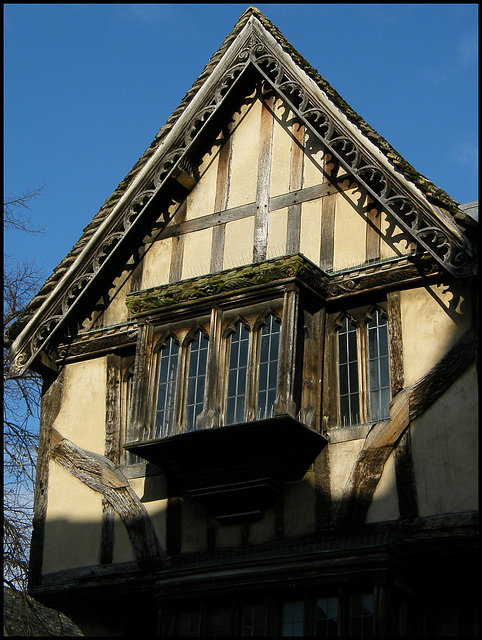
pixel 361 316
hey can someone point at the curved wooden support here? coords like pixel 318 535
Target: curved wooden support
pixel 99 474
pixel 385 436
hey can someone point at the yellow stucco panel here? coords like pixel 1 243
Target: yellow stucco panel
pixel 277 232
pixel 384 505
pixel 310 233
pixel 81 418
pixel 238 243
pixel 445 450
pixel 73 525
pixel 280 165
pixel 244 157
pixel 200 201
pixel 435 310
pixel 157 263
pixel 350 231
pixel 197 253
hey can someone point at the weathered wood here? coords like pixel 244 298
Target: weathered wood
pixel 313 358
pixel 288 355
pixel 51 403
pixel 220 203
pixel 107 535
pixel 96 472
pixel 113 408
pixel 262 189
pixel 327 232
pixel 142 386
pixel 405 478
pixel 296 182
pixel 323 495
pixel 210 416
pixel 177 250
pixel 373 232
pixel 395 342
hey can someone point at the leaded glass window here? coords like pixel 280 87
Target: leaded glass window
pixel 238 367
pixel 268 367
pixel 361 614
pixel 378 367
pixel 326 617
pixel 196 379
pixel 293 618
pixel 252 620
pixel 348 387
pixel 166 390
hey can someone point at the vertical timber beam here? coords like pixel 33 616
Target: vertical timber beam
pixel 288 351
pixel 262 191
pixel 220 204
pixel 139 423
pixel 296 183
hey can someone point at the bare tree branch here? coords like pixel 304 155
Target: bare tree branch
pixel 15 219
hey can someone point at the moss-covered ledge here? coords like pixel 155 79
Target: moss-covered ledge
pixel 231 280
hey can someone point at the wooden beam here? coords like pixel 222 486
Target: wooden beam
pixel 98 474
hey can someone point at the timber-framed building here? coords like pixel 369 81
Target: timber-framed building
pixel 259 413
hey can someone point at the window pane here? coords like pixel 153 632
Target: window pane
pixel 252 621
pixel 361 614
pixel 220 622
pixel 196 379
pixel 166 389
pixel 189 624
pixel 348 385
pixel 326 617
pixel 268 368
pixel 238 360
pixel 293 617
pixel 379 368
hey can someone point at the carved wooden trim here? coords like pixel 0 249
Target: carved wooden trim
pixel 98 474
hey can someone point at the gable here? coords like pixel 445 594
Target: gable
pixel 263 159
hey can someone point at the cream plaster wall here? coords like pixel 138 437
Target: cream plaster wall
pixel 238 243
pixel 384 505
pixel 116 310
pixel 197 253
pixel 277 231
pixel 429 327
pixel 299 507
pixel 350 232
pixel 313 163
pixel 280 162
pixel 244 158
pixel 394 242
pixel 157 263
pixel 342 456
pixel 310 234
pixel 200 201
pixel 194 527
pixel 73 526
pixel 81 418
pixel 445 450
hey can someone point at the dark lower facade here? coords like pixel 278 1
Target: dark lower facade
pixel 415 578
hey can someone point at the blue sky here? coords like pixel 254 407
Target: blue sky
pixel 87 87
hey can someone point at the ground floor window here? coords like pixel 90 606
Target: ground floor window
pixel 310 613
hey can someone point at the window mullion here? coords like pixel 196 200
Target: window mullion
pixel 363 372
